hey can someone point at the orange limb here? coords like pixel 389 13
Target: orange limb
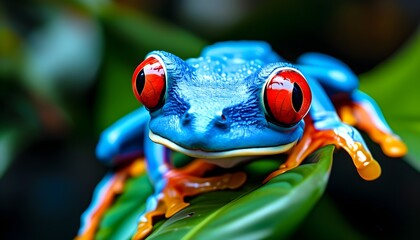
pixel 368 120
pixel 184 182
pixel 115 187
pixel 313 139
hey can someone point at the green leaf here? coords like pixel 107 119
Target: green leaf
pixel 395 86
pixel 254 211
pixel 120 220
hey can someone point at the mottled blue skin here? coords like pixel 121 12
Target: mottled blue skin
pixel 214 103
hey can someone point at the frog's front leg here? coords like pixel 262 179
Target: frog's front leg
pixel 354 107
pixel 324 127
pixel 173 185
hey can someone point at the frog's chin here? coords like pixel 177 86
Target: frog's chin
pixel 226 158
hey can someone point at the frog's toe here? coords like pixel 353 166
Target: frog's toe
pixel 367 167
pixel 167 203
pixel 145 224
pixel 393 146
pixel 175 207
pixel 281 170
pixel 236 180
pixel 370 171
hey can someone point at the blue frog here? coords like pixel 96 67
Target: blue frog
pixel 237 101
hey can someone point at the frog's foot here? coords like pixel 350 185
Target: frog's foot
pixel 112 185
pixel 365 116
pixel 179 184
pixel 361 111
pixel 341 136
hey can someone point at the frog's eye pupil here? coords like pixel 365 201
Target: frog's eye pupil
pixel 287 97
pixel 297 97
pixel 149 83
pixel 140 80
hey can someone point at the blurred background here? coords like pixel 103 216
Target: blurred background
pixel 65 74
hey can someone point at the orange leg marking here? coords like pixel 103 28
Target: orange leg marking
pixel 136 168
pixel 313 139
pixel 187 182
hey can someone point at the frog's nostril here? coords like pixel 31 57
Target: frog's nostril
pixel 222 122
pixel 186 119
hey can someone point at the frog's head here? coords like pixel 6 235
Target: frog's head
pixel 221 108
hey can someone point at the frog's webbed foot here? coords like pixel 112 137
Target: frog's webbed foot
pixel 362 112
pixel 180 183
pixel 340 135
pixel 105 193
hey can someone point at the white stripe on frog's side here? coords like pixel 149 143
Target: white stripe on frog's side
pixel 226 158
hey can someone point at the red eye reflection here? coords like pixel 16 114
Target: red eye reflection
pixel 287 97
pixel 149 83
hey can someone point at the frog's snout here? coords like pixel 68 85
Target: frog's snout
pixel 205 122
pixel 201 128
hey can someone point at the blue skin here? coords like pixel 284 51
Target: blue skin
pixel 213 106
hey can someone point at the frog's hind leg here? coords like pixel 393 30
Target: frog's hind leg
pixel 362 112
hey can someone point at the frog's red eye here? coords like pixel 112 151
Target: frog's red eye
pixel 149 83
pixel 287 97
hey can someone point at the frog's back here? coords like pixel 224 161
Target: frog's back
pixel 245 50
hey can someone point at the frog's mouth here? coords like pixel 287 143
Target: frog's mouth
pixel 217 157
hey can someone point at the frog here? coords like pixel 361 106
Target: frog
pixel 238 101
